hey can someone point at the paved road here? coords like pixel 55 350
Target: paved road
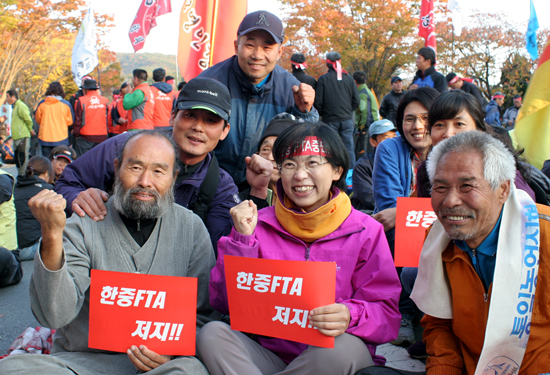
pixel 15 309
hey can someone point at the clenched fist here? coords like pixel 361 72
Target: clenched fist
pixel 245 217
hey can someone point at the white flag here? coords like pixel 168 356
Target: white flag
pixel 84 58
pixel 458 14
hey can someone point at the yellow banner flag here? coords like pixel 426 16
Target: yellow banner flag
pixel 532 130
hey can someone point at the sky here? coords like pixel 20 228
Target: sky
pixel 164 37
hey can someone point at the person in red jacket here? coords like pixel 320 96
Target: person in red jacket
pixel 163 95
pixel 90 126
pixel 140 104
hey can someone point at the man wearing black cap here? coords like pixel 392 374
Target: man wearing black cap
pixel 457 83
pixel 388 106
pixel 298 62
pixel 199 122
pixel 90 125
pixel 510 115
pixel 336 98
pixel 259 89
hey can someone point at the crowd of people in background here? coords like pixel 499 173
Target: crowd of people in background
pixel 233 146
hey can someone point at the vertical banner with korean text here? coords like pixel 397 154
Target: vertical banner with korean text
pixel 207 31
pixel 133 309
pixel 412 217
pixel 426 28
pixel 274 297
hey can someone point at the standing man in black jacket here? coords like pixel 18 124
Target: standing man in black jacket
pixel 336 97
pixel 298 61
pixel 388 107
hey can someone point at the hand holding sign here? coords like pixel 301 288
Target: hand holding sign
pixel 331 320
pixel 144 359
pixel 245 217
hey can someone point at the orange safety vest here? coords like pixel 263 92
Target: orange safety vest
pixel 94 114
pixel 163 107
pixel 141 117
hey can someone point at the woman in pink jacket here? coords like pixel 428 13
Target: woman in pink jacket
pixel 312 220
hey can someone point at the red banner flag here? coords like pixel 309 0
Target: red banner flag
pixel 145 20
pixel 412 217
pixel 274 297
pixel 208 29
pixel 128 309
pixel 426 27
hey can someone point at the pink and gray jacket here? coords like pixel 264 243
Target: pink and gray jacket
pixel 366 280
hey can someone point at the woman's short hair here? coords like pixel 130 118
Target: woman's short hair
pixel 449 104
pixel 425 95
pixel 38 165
pixel 56 89
pixel 337 154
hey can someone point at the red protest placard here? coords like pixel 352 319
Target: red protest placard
pixel 273 297
pixel 133 309
pixel 412 217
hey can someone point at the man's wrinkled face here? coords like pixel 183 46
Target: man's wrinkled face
pixel 463 200
pixel 257 54
pixel 145 178
pixel 517 103
pixel 499 101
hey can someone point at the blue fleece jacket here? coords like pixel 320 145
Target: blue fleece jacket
pixel 392 173
pixel 251 110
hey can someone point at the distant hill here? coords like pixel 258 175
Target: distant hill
pixel 147 61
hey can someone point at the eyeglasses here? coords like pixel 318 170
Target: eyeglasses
pixel 410 120
pixel 290 167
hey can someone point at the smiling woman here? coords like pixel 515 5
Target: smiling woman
pixel 312 220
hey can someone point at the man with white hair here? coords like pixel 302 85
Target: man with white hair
pixel 482 279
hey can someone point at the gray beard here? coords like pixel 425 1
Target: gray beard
pixel 135 209
pixel 454 233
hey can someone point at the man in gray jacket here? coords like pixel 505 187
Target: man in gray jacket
pixel 144 231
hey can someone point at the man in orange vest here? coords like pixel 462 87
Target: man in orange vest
pixel 90 126
pixel 163 95
pixel 140 104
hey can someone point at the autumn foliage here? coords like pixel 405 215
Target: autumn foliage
pixel 36 41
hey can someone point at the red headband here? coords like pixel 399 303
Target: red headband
pixel 170 81
pixel 336 65
pixel 311 145
pixel 299 65
pixel 456 78
pixel 520 99
pixel 498 96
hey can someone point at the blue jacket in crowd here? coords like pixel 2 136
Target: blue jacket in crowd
pixel 251 110
pixel 96 169
pixel 493 114
pixel 392 174
pixel 431 78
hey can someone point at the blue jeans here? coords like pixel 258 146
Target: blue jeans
pixel 346 129
pixel 27 253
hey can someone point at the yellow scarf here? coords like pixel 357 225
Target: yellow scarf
pixel 310 226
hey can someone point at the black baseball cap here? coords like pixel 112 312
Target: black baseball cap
pixel 206 93
pixel 396 78
pixel 262 20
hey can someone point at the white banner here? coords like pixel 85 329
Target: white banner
pixel 84 58
pixel 456 7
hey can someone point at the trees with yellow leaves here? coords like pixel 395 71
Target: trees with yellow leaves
pixel 36 40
